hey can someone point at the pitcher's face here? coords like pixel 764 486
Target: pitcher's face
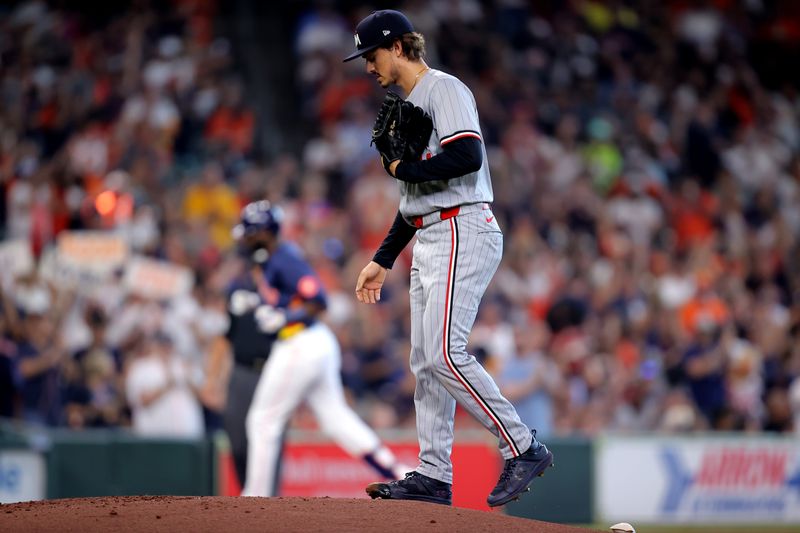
pixel 380 64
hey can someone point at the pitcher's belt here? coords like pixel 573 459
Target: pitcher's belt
pixel 422 221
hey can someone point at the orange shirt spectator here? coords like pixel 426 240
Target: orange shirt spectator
pixel 336 95
pixel 704 308
pixel 232 127
pixel 692 214
pixel 627 353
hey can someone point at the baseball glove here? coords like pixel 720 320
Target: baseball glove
pixel 401 130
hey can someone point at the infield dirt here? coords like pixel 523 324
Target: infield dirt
pixel 222 514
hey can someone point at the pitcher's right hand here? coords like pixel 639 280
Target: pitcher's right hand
pixel 370 281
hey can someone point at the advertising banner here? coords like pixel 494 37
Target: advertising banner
pixel 323 469
pixel 316 467
pixel 22 476
pixel 698 480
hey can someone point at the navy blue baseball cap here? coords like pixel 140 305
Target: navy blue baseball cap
pixel 379 28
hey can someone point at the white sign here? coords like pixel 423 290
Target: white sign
pixel 95 251
pixel 698 480
pixel 157 279
pixel 22 476
pixel 15 258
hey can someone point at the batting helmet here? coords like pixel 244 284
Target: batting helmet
pixel 258 216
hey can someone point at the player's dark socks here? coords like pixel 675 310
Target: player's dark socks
pixel 416 487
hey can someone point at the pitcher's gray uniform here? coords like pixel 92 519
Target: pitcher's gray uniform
pixel 453 261
pixel 452 107
pixel 444 202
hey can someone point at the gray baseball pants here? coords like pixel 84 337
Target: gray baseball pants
pixel 454 260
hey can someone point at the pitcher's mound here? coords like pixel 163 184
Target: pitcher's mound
pixel 218 514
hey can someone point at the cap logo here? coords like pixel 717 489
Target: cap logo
pixel 386 32
pixel 357 39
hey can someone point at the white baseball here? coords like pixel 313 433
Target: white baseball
pixel 623 527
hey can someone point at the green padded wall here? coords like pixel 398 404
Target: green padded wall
pixel 108 463
pixel 564 493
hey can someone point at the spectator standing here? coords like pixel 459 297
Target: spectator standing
pixel 162 392
pixel 532 381
pixel 211 203
pixel 38 368
pixel 704 366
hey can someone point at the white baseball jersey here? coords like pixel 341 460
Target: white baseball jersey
pixel 452 107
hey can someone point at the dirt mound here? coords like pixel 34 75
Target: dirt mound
pixel 196 513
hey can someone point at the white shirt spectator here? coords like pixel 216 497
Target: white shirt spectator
pixel 157 111
pixel 757 160
pixel 640 215
pixel 161 398
pixel 494 335
pixel 89 151
pixel 674 289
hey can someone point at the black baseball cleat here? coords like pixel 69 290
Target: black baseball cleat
pixel 414 486
pixel 519 472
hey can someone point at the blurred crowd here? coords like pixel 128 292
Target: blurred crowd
pixel 646 174
pixel 129 123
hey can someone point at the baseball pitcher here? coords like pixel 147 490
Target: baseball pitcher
pixel 446 192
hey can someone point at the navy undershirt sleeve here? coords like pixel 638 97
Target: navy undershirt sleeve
pixel 400 234
pixel 459 157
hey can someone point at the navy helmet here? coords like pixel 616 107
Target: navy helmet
pixel 258 216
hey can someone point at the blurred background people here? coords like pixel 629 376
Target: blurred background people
pixel 645 168
pixel 162 391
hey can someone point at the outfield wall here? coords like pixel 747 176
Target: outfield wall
pixel 37 464
pixel 701 479
pixel 706 479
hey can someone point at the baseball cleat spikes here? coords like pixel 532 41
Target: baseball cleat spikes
pixel 541 474
pixel 518 473
pixel 414 486
pixel 378 490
